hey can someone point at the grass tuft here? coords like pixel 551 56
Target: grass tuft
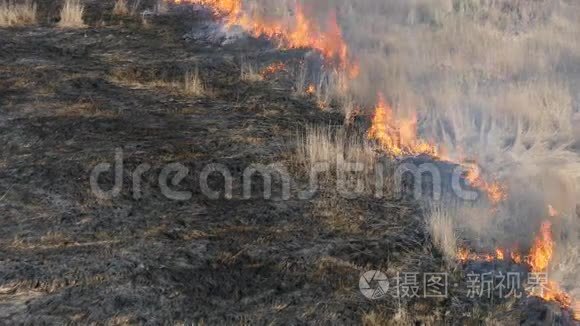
pixel 17 14
pixel 193 85
pixel 249 72
pixel 121 8
pixel 441 228
pixel 71 14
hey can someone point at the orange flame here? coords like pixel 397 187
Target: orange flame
pixel 516 257
pixel 400 137
pixel 542 250
pixel 464 255
pixel 297 32
pixel 273 69
pixel 495 191
pixel 397 137
pixel 499 254
pixel 539 259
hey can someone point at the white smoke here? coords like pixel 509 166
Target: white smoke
pixel 492 80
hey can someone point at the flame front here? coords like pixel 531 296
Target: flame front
pixel 542 250
pixel 397 136
pixel 464 255
pixel 495 191
pixel 516 257
pixel 272 69
pixel 539 259
pixel 297 31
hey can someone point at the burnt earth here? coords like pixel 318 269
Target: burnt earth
pixel 70 98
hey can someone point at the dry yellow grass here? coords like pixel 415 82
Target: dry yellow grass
pixel 193 84
pixel 441 228
pixel 121 8
pixel 333 146
pixel 17 14
pixel 249 72
pixel 342 154
pixel 71 14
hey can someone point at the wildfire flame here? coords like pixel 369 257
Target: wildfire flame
pixel 542 250
pixel 499 254
pixel 298 31
pixel 272 69
pixel 495 191
pixel 516 257
pixel 539 259
pixel 397 136
pixel 464 255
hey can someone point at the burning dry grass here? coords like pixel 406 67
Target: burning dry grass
pixel 71 14
pixel 460 75
pixel 328 87
pixel 14 13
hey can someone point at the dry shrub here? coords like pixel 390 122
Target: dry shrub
pixel 71 14
pixel 193 84
pixel 17 14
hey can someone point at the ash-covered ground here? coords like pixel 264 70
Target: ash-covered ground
pixel 70 99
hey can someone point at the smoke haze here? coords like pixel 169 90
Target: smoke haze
pixel 494 81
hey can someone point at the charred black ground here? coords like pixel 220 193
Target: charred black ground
pixel 70 98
